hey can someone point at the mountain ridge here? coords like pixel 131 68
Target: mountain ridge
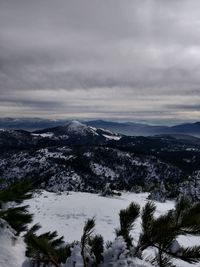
pixel 79 157
pixel 125 128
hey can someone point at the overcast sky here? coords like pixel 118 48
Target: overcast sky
pixel 132 60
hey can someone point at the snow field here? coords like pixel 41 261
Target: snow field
pixel 67 213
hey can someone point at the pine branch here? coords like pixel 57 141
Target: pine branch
pixel 63 253
pixel 46 248
pixel 57 242
pixel 97 248
pixel 191 254
pixel 162 260
pixel 87 232
pixel 163 230
pixel 34 229
pixel 181 207
pixel 147 217
pixel 189 221
pixel 17 192
pixel 127 219
pixel 18 218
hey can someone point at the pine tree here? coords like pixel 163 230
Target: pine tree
pixel 162 232
pixel 46 248
pixel 17 217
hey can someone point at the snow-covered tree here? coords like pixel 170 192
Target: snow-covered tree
pixel 159 193
pixel 191 187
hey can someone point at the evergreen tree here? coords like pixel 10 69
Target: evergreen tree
pixel 190 188
pixel 159 193
pixel 162 232
pixel 17 217
pixel 46 248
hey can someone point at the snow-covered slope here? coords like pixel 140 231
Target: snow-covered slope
pixel 85 168
pixel 68 212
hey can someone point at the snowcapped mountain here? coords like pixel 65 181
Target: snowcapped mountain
pixel 72 127
pixel 71 133
pixel 77 132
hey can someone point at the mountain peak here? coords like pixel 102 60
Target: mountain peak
pixel 76 127
pixel 75 122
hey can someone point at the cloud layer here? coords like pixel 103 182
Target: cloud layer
pixel 124 60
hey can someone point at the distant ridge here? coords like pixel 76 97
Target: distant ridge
pixel 137 129
pixel 29 124
pixel 125 128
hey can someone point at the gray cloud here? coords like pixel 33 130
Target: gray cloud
pixel 194 107
pixel 127 60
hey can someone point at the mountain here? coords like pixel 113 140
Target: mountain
pixel 75 132
pixel 29 124
pixel 186 128
pixel 124 128
pixel 137 129
pixel 76 156
pixel 71 133
pixel 128 128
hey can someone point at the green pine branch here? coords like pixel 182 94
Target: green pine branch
pixel 87 232
pixel 127 219
pixel 190 254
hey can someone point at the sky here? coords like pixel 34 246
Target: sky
pixel 122 60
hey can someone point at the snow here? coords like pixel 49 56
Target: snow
pixel 44 134
pixel 45 153
pixel 68 212
pixel 106 131
pixel 112 137
pixel 76 257
pixel 117 255
pixel 12 249
pixel 103 171
pixel 75 126
pixel 87 154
